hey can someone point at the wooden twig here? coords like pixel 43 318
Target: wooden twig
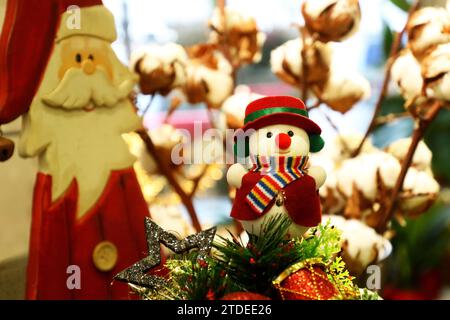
pixel 336 128
pixel 224 48
pixel 175 102
pixel 304 71
pixel 316 104
pixel 196 181
pixel 391 117
pixel 149 104
pixel 395 47
pixel 167 172
pixel 422 125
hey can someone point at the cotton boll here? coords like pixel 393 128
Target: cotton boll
pixel 406 73
pixel 422 155
pixel 436 72
pixel 319 59
pixel 240 35
pixel 362 246
pixel 389 167
pixel 332 20
pixel 234 106
pixel 420 191
pixel 343 90
pixel 209 76
pixel 208 85
pixel 427 28
pixel 362 171
pixel 419 182
pixel 161 68
pixel 233 19
pixel 344 145
pixel 166 136
pixel 286 62
pixel 347 173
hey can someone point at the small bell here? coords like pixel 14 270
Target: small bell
pixel 6 149
pixel 280 198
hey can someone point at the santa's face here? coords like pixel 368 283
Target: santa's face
pixel 279 140
pixel 85 53
pixel 86 76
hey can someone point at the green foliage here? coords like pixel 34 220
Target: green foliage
pixel 419 246
pixel 340 275
pixel 324 242
pixel 402 4
pixel 437 138
pixel 392 104
pixel 369 295
pixel 388 38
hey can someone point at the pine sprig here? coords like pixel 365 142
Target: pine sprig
pixel 192 279
pixel 253 267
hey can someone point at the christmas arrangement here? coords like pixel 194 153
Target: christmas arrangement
pixel 269 266
pixel 307 217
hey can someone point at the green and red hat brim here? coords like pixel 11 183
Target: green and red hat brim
pixel 279 110
pixel 282 110
pixel 281 115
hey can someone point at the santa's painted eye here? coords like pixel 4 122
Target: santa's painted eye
pixel 91 57
pixel 269 134
pixel 78 58
pixel 290 133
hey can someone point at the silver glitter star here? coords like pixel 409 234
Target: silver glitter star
pixel 137 273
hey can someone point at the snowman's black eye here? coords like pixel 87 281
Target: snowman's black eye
pixel 269 134
pixel 290 133
pixel 78 57
pixel 91 57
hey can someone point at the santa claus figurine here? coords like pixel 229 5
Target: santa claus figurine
pixel 278 136
pixel 88 209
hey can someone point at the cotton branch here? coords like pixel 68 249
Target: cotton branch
pixel 167 172
pixel 422 125
pixel 395 47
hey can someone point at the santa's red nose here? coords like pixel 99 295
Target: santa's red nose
pixel 283 141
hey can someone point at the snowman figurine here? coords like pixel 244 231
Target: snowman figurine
pixel 278 136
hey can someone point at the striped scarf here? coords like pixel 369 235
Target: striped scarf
pixel 278 173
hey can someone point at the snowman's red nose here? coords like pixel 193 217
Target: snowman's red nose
pixel 283 141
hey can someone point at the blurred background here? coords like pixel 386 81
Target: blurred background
pixel 419 263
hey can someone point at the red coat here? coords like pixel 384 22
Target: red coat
pixel 302 200
pixel 59 240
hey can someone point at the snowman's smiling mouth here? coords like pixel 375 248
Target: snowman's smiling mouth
pixel 283 151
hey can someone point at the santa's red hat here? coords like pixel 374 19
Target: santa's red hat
pixel 27 37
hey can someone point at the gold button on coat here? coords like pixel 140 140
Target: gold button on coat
pixel 105 256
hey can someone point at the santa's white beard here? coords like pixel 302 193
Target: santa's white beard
pixel 77 90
